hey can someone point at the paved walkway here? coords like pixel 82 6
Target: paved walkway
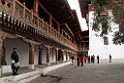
pixel 26 69
pixel 104 72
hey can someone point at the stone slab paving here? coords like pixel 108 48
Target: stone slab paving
pixel 104 72
pixel 20 71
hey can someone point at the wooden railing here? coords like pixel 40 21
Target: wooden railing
pixel 85 49
pixel 18 11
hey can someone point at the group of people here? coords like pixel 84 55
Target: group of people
pixel 91 59
pixel 79 60
pixel 82 59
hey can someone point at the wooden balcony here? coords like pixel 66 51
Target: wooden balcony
pixel 16 14
pixel 85 49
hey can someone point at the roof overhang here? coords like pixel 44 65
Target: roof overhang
pixel 84 7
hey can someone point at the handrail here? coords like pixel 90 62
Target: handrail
pixel 35 21
pixel 45 10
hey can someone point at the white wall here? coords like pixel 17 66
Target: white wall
pixel 43 54
pixel 64 56
pixel 52 55
pixel 22 48
pixel 36 53
pixel 97 47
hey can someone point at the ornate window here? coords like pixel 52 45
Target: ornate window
pixel 105 40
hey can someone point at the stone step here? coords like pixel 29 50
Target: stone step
pixel 22 78
pixel 26 77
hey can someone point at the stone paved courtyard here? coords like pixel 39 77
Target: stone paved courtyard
pixel 104 72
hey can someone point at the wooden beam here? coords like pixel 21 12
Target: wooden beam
pixel 46 11
pixel 68 28
pixel 69 8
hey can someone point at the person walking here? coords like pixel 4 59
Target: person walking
pixel 98 59
pixel 88 59
pixel 85 58
pixel 110 58
pixel 81 60
pixel 72 59
pixel 78 61
pixel 93 57
pixel 15 61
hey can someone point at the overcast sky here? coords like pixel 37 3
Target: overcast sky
pixel 75 5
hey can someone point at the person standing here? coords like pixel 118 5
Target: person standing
pixel 81 60
pixel 85 58
pixel 93 59
pixel 78 61
pixel 15 61
pixel 110 58
pixel 98 59
pixel 72 59
pixel 88 59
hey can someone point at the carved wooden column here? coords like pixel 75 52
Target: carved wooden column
pixel 72 54
pixel 50 18
pixel 62 56
pixel 66 56
pixel 1 44
pixel 35 7
pixel 31 56
pixel 13 7
pixel 58 26
pixel 69 55
pixel 56 55
pixel 23 16
pixel 48 55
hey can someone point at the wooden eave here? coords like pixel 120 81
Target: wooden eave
pixel 84 7
pixel 61 6
pixel 77 21
pixel 85 33
pixel 68 6
pixel 66 25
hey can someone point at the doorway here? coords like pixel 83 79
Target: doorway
pixel 40 57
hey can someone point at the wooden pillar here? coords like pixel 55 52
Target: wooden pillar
pixel 1 44
pixel 58 26
pixel 50 18
pixel 23 16
pixel 66 56
pixel 13 7
pixel 31 56
pixel 70 55
pixel 48 55
pixel 56 55
pixel 62 56
pixel 35 7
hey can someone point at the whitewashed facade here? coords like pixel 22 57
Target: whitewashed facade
pixel 96 44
